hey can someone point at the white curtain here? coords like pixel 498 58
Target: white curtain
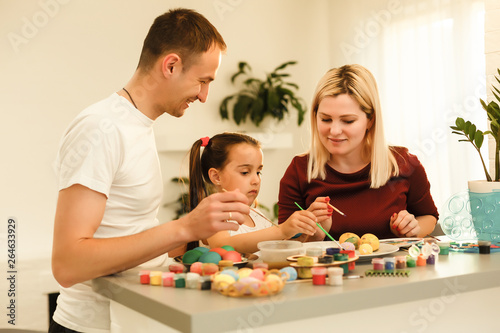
pixel 428 59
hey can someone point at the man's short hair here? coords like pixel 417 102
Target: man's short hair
pixel 181 31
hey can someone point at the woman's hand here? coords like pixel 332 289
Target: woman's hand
pixel 404 224
pixel 323 213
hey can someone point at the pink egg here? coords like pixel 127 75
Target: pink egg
pixel 196 267
pixel 258 274
pixel 348 246
pixel 232 255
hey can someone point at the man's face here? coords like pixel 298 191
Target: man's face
pixel 191 84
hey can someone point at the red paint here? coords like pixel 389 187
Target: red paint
pixel 144 276
pixel 318 275
pixel 319 279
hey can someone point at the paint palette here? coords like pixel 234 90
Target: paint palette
pixel 456 220
pixel 316 264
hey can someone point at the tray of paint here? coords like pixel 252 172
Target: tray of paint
pixel 402 242
pixel 316 264
pixel 246 258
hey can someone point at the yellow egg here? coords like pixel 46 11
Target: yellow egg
pixel 244 272
pixel 365 249
pixel 351 238
pixel 224 278
pixel 273 277
pixel 370 239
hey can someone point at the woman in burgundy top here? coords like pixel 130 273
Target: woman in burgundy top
pixel 381 189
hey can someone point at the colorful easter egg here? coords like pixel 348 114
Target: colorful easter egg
pixel 232 255
pixel 210 257
pixel 218 250
pixel 365 249
pixel 228 247
pixel 191 256
pixel 370 239
pixel 351 238
pixel 348 246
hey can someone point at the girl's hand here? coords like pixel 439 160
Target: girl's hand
pixel 404 224
pixel 302 221
pixel 323 213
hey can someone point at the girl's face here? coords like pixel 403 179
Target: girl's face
pixel 342 125
pixel 243 171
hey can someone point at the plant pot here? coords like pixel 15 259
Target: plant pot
pixel 484 199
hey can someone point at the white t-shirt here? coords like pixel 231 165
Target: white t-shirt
pixel 259 221
pixel 109 148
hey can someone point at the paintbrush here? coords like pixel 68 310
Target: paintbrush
pixel 257 212
pixel 336 209
pixel 433 237
pixel 319 226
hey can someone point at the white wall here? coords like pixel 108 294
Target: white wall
pixel 492 51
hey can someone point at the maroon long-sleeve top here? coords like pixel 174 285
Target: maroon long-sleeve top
pixel 367 210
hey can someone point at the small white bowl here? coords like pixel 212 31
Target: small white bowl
pixel 278 251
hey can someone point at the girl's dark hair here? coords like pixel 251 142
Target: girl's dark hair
pixel 181 31
pixel 214 155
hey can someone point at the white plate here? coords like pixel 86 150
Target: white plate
pixel 402 242
pixel 383 248
pixel 323 245
pixel 382 251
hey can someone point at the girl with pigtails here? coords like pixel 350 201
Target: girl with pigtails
pixel 233 162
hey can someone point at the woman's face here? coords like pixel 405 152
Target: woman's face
pixel 342 125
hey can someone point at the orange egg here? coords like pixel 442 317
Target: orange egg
pixel 232 255
pixel 219 250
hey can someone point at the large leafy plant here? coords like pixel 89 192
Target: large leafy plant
pixel 271 97
pixel 476 137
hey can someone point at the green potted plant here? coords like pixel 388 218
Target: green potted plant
pixel 484 196
pixel 476 136
pixel 257 99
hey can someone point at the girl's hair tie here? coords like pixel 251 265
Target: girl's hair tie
pixel 204 141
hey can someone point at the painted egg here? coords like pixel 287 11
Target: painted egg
pixel 348 246
pixel 201 249
pixel 273 277
pixel 191 256
pixel 365 249
pixel 232 273
pixel 244 272
pixel 209 269
pixel 218 250
pixel 257 274
pixel 212 257
pixel 228 247
pixel 252 285
pixel 196 267
pixel 224 278
pixel 232 255
pixel 292 273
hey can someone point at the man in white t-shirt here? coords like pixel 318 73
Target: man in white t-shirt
pixel 110 184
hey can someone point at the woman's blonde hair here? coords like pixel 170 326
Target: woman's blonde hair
pixel 357 82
